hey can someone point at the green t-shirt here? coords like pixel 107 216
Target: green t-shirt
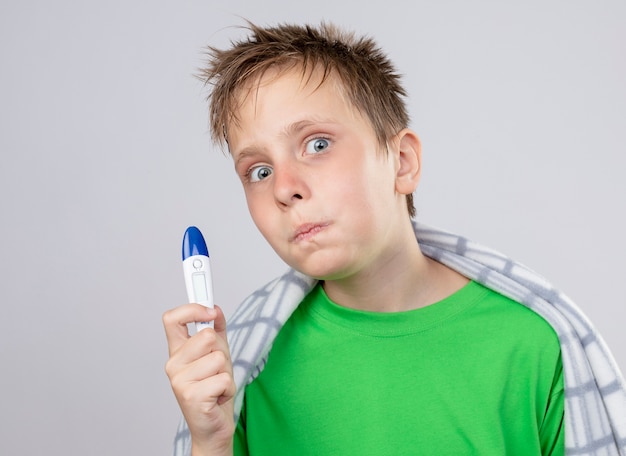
pixel 474 374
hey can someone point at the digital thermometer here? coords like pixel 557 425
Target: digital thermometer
pixel 197 269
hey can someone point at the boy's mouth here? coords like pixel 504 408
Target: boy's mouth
pixel 307 231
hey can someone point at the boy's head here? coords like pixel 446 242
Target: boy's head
pixel 367 77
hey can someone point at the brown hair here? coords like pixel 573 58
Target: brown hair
pixel 368 77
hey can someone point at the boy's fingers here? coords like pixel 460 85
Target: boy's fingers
pixel 175 322
pixel 220 321
pixel 207 366
pixel 198 347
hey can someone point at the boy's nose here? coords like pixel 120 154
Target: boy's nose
pixel 289 186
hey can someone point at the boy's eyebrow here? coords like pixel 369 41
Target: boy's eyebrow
pixel 247 151
pixel 300 125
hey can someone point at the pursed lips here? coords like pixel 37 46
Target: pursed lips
pixel 307 231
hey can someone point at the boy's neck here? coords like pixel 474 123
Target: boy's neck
pixel 407 280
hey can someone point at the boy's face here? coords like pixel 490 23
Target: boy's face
pixel 317 185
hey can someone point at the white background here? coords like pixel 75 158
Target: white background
pixel 106 159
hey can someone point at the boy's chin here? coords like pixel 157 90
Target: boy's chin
pixel 323 274
pixel 314 271
pixel 322 264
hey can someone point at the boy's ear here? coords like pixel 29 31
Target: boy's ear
pixel 409 156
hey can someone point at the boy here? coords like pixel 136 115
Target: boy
pixel 379 344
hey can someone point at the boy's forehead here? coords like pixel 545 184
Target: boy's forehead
pixel 306 81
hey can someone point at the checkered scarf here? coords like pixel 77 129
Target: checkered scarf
pixel 595 392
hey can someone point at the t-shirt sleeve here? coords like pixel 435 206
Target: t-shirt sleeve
pixel 552 432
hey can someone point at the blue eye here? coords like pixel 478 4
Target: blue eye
pixel 317 145
pixel 259 173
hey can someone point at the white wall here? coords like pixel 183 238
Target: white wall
pixel 106 160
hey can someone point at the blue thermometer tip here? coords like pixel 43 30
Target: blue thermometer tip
pixel 193 243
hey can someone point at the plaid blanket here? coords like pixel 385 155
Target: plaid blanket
pixel 595 392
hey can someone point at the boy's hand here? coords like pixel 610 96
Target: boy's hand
pixel 201 374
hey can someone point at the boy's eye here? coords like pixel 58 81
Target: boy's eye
pixel 317 145
pixel 259 173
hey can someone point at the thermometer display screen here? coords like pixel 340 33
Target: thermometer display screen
pixel 200 286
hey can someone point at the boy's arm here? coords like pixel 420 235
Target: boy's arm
pixel 200 372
